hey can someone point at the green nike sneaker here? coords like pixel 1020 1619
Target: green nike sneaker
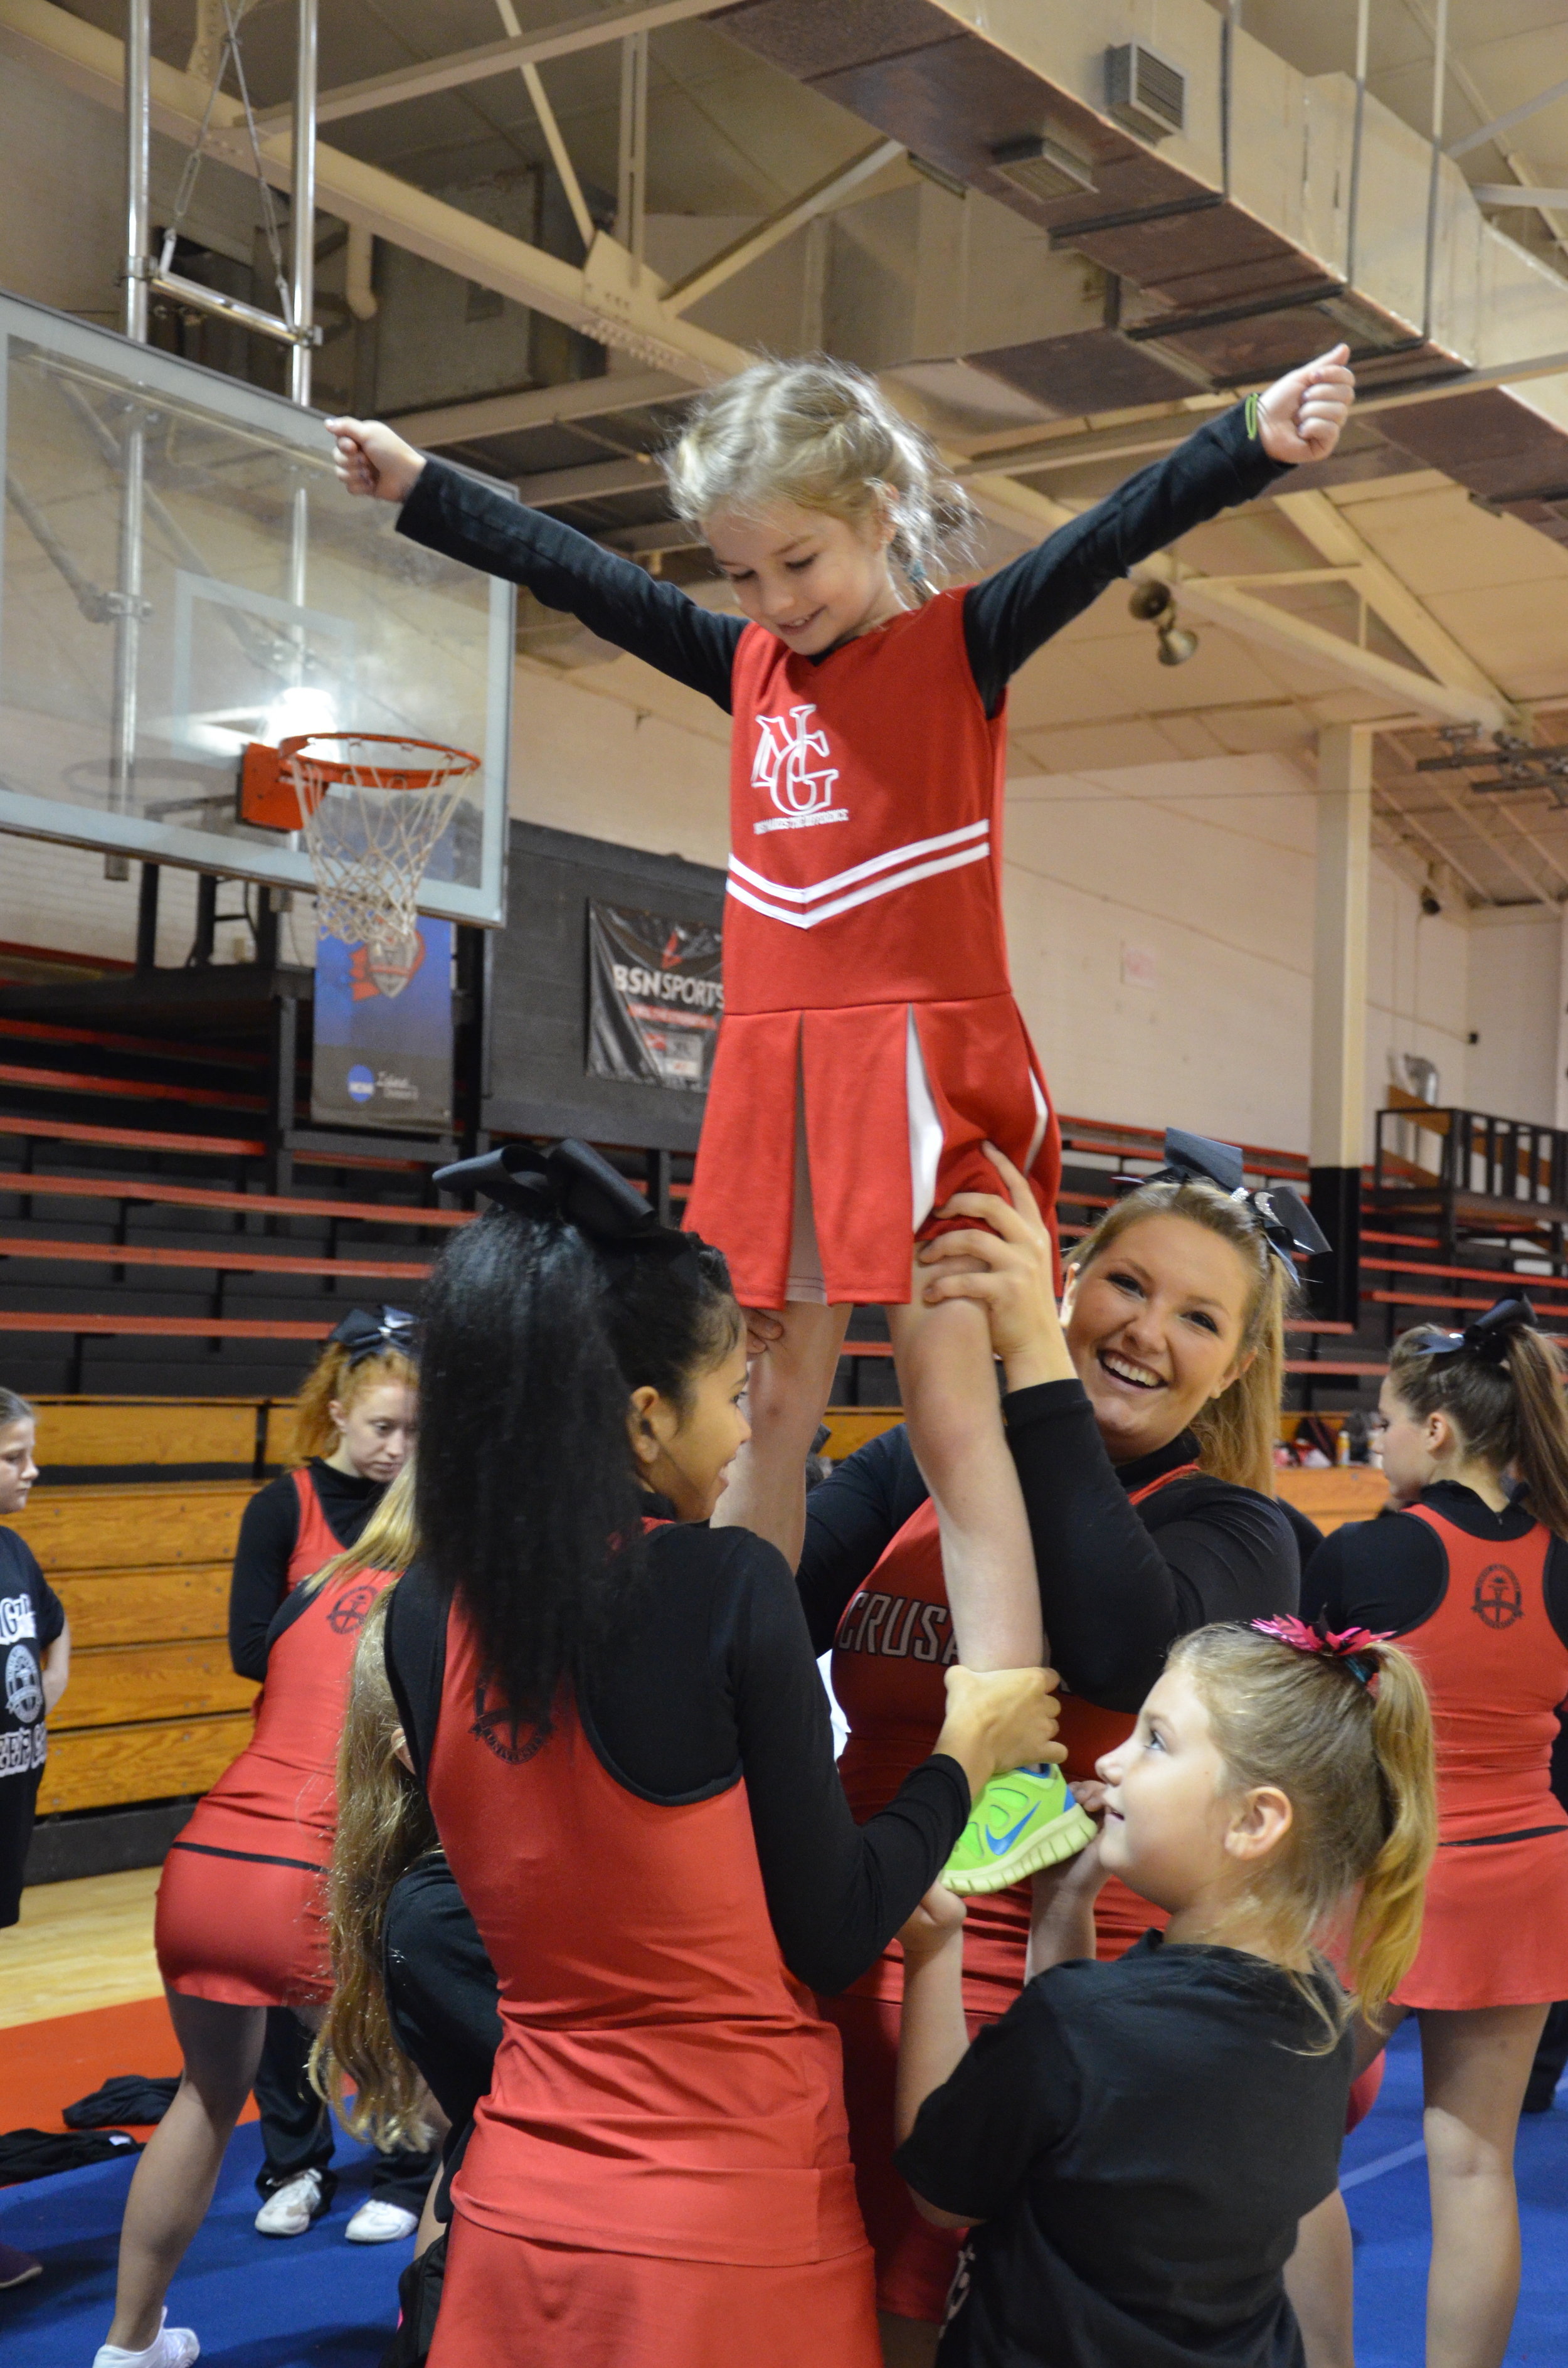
pixel 1023 1821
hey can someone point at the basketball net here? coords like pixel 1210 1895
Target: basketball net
pixel 372 809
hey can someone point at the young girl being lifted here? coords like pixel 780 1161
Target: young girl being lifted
pixel 872 1045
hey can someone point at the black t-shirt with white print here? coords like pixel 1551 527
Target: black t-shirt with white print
pixel 31 1617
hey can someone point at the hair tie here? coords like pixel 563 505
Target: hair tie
pixel 571 1181
pixel 1490 1335
pixel 364 1335
pixel 1350 1646
pixel 1284 1219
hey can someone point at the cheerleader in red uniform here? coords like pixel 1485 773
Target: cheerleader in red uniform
pixel 1472 1578
pixel 239 1924
pixel 1142 1435
pixel 871 1043
pixel 620 1725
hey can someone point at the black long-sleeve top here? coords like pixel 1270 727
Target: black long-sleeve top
pixel 1118 1581
pixel 713 1679
pixel 269 1530
pixel 1006 618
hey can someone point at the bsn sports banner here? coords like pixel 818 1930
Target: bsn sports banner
pixel 655 998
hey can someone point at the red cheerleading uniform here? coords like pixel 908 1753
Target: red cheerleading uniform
pixel 1495 1929
pixel 660 2174
pixel 241 1902
pixel 317 1542
pixel 866 980
pixel 871 1042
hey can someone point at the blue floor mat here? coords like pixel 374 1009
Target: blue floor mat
pixel 1391 2223
pixel 317 2301
pixel 255 2302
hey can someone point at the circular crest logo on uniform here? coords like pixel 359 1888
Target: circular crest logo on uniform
pixel 361 1083
pixel 348 1612
pixel 1499 1598
pixel 497 1730
pixel 24 1693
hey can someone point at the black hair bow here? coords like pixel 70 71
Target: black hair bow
pixel 1287 1223
pixel 1490 1335
pixel 572 1180
pixel 364 1335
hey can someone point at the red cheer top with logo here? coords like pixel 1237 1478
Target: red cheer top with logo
pixel 1495 1929
pixel 866 1002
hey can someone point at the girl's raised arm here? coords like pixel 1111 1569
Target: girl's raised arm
pixel 461 517
pixel 1233 458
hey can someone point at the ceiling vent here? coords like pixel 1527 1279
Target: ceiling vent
pixel 1042 168
pixel 1144 91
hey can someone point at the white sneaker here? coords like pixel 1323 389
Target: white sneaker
pixel 171 2347
pixel 379 2223
pixel 290 2210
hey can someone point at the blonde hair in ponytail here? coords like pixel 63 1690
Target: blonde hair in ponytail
pixel 1509 1415
pixel 823 436
pixel 1236 1432
pixel 1355 1761
pixel 383 1824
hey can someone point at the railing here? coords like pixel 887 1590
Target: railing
pixel 1478 1157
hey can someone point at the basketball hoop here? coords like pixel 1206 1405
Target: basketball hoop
pixel 372 807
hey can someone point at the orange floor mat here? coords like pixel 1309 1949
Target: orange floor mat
pixel 46 2066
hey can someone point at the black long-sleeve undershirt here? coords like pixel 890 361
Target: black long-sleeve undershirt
pixel 1006 618
pixel 1119 1582
pixel 713 1679
pixel 269 1530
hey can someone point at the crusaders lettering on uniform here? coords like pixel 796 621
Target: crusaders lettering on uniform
pixel 897 1628
pixel 783 766
pixel 1499 1598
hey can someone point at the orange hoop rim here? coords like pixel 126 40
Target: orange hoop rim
pixel 323 772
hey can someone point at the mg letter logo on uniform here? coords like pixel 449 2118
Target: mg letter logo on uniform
pixel 783 765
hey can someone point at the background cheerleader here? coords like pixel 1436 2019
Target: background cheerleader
pixel 354 1424
pixel 240 1925
pixel 1475 1585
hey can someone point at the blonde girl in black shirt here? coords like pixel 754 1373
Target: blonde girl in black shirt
pixel 1134 2144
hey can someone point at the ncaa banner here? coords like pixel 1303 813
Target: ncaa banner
pixel 655 998
pixel 383 1061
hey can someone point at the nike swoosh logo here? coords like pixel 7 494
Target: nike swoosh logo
pixel 1008 1838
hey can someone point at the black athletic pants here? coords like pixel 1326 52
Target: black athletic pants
pixel 296 2126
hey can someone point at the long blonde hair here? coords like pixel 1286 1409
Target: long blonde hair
pixel 1354 1756
pixel 387 1541
pixel 823 436
pixel 1236 1431
pixel 383 1824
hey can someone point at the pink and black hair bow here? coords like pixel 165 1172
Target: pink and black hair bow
pixel 1350 1645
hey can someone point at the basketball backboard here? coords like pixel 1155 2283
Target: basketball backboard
pixel 180 573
